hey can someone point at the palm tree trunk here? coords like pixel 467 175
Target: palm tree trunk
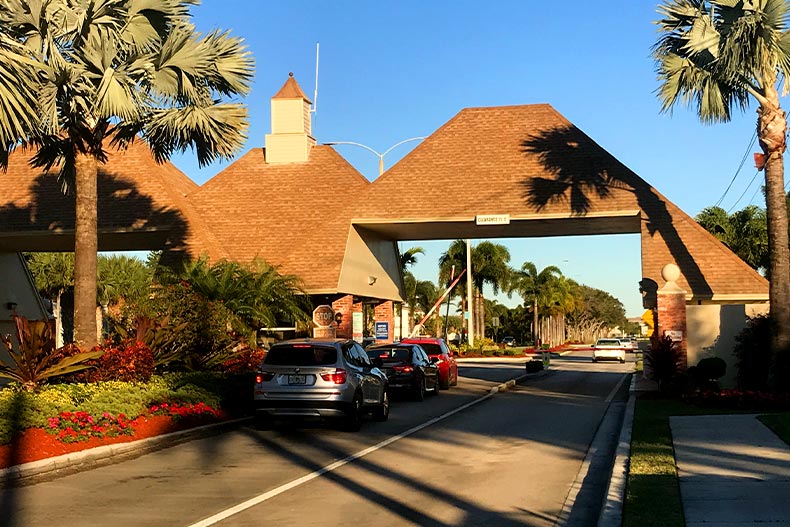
pixel 535 329
pixel 85 250
pixel 772 131
pixel 58 320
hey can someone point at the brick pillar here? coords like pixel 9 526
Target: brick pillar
pixel 344 306
pixel 671 311
pixel 385 312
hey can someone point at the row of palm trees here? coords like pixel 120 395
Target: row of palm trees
pixel 546 293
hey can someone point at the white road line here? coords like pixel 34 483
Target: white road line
pixel 227 513
pixel 614 390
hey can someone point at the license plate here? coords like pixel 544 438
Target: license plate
pixel 297 379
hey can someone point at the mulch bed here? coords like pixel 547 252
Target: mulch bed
pixel 35 444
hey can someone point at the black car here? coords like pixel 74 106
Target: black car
pixel 407 367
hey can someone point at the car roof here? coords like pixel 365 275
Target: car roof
pixel 308 340
pixel 417 340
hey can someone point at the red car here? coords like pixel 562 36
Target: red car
pixel 437 348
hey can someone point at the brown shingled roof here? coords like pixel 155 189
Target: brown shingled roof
pixel 291 90
pixel 529 160
pixel 296 216
pixel 136 195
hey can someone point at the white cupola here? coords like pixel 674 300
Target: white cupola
pixel 290 140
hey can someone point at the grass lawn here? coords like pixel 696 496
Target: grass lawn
pixel 653 494
pixel 779 423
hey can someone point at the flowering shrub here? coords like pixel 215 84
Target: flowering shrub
pixel 128 361
pixel 247 359
pixel 72 427
pixel 184 411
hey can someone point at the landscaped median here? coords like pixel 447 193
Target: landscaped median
pixel 64 418
pixel 653 492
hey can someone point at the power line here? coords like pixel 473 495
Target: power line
pixel 744 191
pixel 738 171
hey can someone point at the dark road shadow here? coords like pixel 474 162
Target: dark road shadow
pixel 8 495
pixel 584 173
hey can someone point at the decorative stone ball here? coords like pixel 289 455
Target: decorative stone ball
pixel 670 272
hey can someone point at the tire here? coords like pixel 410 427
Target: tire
pixel 455 381
pixel 419 390
pixel 595 360
pixel 353 420
pixel 444 384
pixel 382 412
pixel 436 387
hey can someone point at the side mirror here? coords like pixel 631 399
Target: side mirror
pixel 434 360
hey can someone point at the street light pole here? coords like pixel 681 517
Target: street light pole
pixel 379 154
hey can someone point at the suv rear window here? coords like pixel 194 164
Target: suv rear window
pixel 393 353
pixel 300 355
pixel 431 349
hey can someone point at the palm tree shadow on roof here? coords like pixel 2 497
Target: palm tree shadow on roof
pixel 128 219
pixel 584 173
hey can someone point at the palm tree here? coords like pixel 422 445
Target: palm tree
pixel 427 295
pixel 109 73
pixel 407 260
pixel 536 288
pixel 717 55
pixel 121 279
pixel 257 295
pixel 745 232
pixel 53 273
pixel 489 266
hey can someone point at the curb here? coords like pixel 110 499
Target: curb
pixel 612 510
pixel 106 454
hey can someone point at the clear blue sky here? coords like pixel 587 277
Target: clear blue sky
pixel 394 70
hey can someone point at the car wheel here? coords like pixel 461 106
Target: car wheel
pixel 419 390
pixel 436 386
pixel 444 384
pixel 622 361
pixel 353 420
pixel 382 411
pixel 455 379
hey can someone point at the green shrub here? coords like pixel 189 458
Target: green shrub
pixel 664 361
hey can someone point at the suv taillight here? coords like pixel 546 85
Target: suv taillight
pixel 403 369
pixel 264 376
pixel 339 377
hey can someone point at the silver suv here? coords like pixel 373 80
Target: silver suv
pixel 320 378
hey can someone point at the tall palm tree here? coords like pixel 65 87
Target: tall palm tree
pixel 489 266
pixel 536 288
pixel 717 55
pixel 407 260
pixel 107 73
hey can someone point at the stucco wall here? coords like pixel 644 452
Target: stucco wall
pixel 712 330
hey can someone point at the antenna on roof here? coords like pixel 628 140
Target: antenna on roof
pixel 314 109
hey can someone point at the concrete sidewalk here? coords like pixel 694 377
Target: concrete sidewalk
pixel 733 471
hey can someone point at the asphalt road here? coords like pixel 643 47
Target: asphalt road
pixel 457 459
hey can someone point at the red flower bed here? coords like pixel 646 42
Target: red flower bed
pixel 73 432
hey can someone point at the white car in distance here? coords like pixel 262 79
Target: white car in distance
pixel 608 349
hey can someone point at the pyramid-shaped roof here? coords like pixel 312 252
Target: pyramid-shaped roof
pixel 295 216
pixel 531 163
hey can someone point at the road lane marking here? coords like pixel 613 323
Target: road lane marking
pixel 227 513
